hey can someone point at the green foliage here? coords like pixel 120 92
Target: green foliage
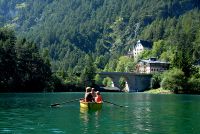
pixel 67 31
pixel 8 58
pixel 122 83
pixel 194 82
pixel 101 61
pixel 194 85
pixel 174 80
pixel 70 29
pixel 98 80
pixel 111 66
pixel 146 54
pixel 21 66
pixel 107 82
pixel 125 64
pixel 196 50
pixel 88 74
pixel 158 48
pixel 31 67
pixel 156 80
pixel 182 58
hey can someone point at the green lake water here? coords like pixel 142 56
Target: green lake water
pixel 145 114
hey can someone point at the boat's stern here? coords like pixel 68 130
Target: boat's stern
pixel 91 105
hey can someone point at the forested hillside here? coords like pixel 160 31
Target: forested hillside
pixel 72 31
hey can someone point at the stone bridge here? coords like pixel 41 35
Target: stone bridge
pixel 135 82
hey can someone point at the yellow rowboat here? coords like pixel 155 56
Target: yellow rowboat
pixel 91 105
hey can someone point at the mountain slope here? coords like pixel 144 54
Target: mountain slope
pixel 70 29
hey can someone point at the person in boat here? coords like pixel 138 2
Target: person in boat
pixel 98 98
pixel 93 92
pixel 88 95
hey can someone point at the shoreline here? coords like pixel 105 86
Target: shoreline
pixel 159 91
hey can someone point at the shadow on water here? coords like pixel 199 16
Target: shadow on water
pixel 90 120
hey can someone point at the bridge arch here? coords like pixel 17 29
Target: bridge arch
pixel 116 82
pixel 134 82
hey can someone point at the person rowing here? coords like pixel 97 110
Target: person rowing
pixel 88 95
pixel 98 98
pixel 93 92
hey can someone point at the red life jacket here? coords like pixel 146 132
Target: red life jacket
pixel 98 99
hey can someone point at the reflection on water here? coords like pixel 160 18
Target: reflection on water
pixel 84 116
pixel 146 114
pixel 89 118
pixel 142 113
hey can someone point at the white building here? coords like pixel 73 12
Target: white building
pixel 151 66
pixel 140 46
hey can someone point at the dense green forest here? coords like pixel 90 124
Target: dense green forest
pixel 80 37
pixel 21 65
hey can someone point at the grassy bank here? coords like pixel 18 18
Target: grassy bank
pixel 159 91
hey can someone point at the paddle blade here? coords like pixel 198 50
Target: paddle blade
pixel 56 104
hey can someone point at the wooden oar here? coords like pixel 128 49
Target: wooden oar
pixel 114 103
pixel 57 104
